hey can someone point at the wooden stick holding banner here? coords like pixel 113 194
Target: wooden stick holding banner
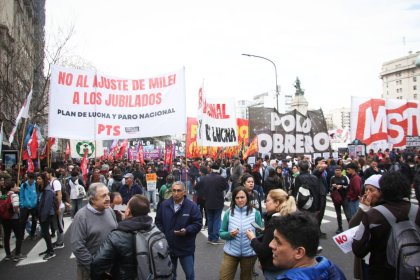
pixel 21 151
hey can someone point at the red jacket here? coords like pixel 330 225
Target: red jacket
pixel 354 189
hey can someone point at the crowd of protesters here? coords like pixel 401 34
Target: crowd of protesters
pixel 46 194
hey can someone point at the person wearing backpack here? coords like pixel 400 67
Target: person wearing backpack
pixel 76 189
pixel 305 179
pixel 12 223
pixel 180 220
pixel 374 233
pixel 165 191
pixel 117 254
pixel 28 198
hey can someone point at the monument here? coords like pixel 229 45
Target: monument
pixel 299 101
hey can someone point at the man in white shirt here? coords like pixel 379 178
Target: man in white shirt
pixel 57 221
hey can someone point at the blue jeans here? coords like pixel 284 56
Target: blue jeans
pixel 214 221
pixel 352 207
pixel 76 205
pixel 151 196
pixel 190 187
pixel 187 264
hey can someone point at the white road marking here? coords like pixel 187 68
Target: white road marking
pixel 33 255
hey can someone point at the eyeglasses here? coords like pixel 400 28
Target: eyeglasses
pixel 240 197
pixel 177 190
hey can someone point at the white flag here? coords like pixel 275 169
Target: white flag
pixel 23 113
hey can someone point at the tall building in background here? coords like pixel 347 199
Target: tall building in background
pixel 338 118
pixel 401 78
pixel 21 55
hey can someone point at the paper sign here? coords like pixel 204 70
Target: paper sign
pixel 151 180
pixel 345 239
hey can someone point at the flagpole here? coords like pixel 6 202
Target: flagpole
pixel 21 151
pixel 49 156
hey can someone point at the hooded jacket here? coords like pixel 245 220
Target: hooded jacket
pixel 28 195
pixel 323 270
pixel 119 251
pixel 46 204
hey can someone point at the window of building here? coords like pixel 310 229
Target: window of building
pixel 414 79
pixel 415 96
pixel 414 87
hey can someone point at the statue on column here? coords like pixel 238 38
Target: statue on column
pixel 299 90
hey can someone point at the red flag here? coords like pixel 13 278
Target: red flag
pixel 32 147
pixel 140 154
pixel 121 152
pixel 67 152
pixel 84 165
pixel 252 149
pixel 31 167
pixel 47 148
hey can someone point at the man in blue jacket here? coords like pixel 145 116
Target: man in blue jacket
pixel 294 247
pixel 180 220
pixel 28 203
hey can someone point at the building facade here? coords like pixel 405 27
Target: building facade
pixel 21 55
pixel 401 78
pixel 338 118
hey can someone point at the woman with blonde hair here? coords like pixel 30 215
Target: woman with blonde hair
pixel 278 203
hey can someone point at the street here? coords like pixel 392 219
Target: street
pixel 207 258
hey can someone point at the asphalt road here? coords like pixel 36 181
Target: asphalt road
pixel 207 258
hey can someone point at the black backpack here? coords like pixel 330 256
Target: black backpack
pixel 152 254
pixel 304 197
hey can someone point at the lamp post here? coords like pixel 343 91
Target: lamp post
pixel 275 72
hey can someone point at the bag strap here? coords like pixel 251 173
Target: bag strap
pixel 414 209
pixel 387 214
pixel 392 219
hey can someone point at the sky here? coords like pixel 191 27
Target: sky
pixel 335 47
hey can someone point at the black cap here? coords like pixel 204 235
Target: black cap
pixel 351 165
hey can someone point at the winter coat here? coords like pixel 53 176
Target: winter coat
pixel 239 246
pixel 28 196
pixel 188 216
pixel 260 245
pixel 213 186
pixel 118 251
pixel 46 204
pixel 323 270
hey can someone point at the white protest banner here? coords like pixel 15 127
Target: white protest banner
pixel 217 126
pixel 380 123
pixel 78 147
pixel 345 239
pixel 88 105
